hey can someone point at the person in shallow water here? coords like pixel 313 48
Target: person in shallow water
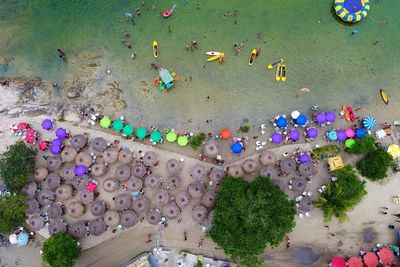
pixel 137 11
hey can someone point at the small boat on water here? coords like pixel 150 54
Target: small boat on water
pixel 275 63
pixel 213 58
pixel 252 57
pixel 278 74
pixel 384 97
pixel 283 73
pixel 213 53
pixel 168 12
pixel 155 49
pixel 348 113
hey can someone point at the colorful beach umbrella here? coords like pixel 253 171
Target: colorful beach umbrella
pixel 127 130
pixel 385 255
pixel 276 137
pixel 360 132
pixel 23 239
pixel 105 122
pixel 236 148
pixel 331 135
pixel 370 259
pixel 330 116
pixel 350 133
pixel 349 143
pixel 369 123
pixel 355 262
pixel 341 135
pixel 43 145
pixel 320 118
pixel 338 262
pixel 225 134
pixel 80 170
pixel 141 133
pixel 301 120
pixel 47 124
pixel 55 150
pixel 281 122
pixel 312 132
pixel 304 158
pixel 295 114
pixel 91 187
pixel 294 135
pixel 171 137
pixel 394 151
pixel 183 141
pixel 61 133
pixel 155 136
pixel 56 142
pixel 117 125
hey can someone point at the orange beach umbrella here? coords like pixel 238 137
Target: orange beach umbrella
pixel 370 259
pixel 225 134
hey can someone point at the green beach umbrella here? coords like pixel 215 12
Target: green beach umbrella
pixel 349 143
pixel 141 133
pixel 171 137
pixel 128 130
pixel 118 125
pixel 105 122
pixel 183 141
pixel 156 136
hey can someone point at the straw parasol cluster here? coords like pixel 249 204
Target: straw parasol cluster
pixel 150 158
pixel 111 218
pixel 171 211
pixel 75 209
pixel 135 184
pixel 235 171
pixel 68 154
pixel 98 169
pixel 45 197
pixel 54 211
pixel 78 141
pixel 54 162
pixel 141 204
pixel 122 201
pixel 182 199
pixel 153 216
pixel 99 144
pixel 122 173
pixel 110 185
pixel 267 158
pixel 128 218
pixel 36 222
pixel 53 181
pixel 98 207
pixel 68 173
pixel 249 166
pixel 174 166
pixel 56 226
pixel 40 174
pixel 198 171
pixel 210 149
pixel 199 213
pixel 216 175
pixel 153 181
pixel 77 229
pixel 30 189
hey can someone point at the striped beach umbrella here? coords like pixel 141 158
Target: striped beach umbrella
pixel 369 123
pixel 23 239
pixel 331 135
pixel 118 125
pixel 141 133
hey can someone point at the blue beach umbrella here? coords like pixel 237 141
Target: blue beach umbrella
pixel 23 239
pixel 236 148
pixel 331 135
pixel 281 122
pixel 360 132
pixel 301 120
pixel 369 123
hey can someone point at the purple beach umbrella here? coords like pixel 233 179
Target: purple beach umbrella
pixel 276 137
pixel 80 170
pixel 55 150
pixel 304 158
pixel 47 124
pixel 341 135
pixel 330 116
pixel 320 118
pixel 56 142
pixel 294 135
pixel 61 133
pixel 312 132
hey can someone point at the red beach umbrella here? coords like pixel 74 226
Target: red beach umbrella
pixel 385 255
pixel 370 259
pixel 355 262
pixel 30 132
pixel 22 126
pixel 43 145
pixel 225 134
pixel 29 139
pixel 91 187
pixel 338 262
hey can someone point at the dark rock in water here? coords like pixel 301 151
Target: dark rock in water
pixel 73 93
pixel 306 255
pixel 369 235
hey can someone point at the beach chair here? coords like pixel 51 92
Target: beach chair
pixel 396 123
pixel 395 200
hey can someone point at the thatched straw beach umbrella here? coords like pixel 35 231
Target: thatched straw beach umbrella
pixel 36 222
pixel 198 171
pixel 98 169
pixel 54 163
pixel 153 216
pixel 78 141
pixel 54 211
pixel 110 185
pixel 279 183
pixel 210 149
pixel 299 184
pixel 45 197
pixel 267 172
pixel 125 156
pixel 306 169
pixel 135 184
pixel 57 226
pixel 110 156
pixel 174 181
pixel 29 189
pixel 138 170
pixel 209 199
pixel 40 174
pixel 306 204
pixel 171 211
pixel 75 209
pixel 174 166
pixel 68 173
pixel 111 218
pixel 182 199
pixel 77 229
pixel 85 196
pixel 64 192
pixel 80 182
pixel 199 213
pixel 141 204
pixel 150 158
pixel 153 181
pixel 122 173
pixel 68 154
pixel 53 181
pixel 249 166
pixel 235 171
pixel 128 218
pixel 161 197
pixel 99 144
pixel 216 175
pixel 267 157
pixel 32 206
pixel 97 227
pixel 288 165
pixel 196 189
pixel 83 159
pixel 98 207
pixel 122 201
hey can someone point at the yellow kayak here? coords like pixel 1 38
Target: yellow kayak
pixel 252 56
pixel 384 96
pixel 283 73
pixel 155 49
pixel 278 73
pixel 213 58
pixel 275 63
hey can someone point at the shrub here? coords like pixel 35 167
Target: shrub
pixel 197 140
pixel 60 250
pixel 375 164
pixel 12 212
pixel 364 145
pixel 245 128
pixel 249 216
pixel 17 164
pixel 342 195
pixel 320 152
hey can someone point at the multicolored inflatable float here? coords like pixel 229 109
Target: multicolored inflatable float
pixel 352 10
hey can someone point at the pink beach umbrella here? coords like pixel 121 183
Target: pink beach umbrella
pixel 91 187
pixel 43 145
pixel 350 133
pixel 30 132
pixel 30 139
pixel 22 126
pixel 355 262
pixel 338 262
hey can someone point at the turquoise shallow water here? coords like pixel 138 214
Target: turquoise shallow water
pixel 319 51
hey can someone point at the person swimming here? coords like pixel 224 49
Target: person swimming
pixel 137 11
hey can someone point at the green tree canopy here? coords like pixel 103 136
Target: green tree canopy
pixel 250 215
pixel 341 196
pixel 60 250
pixel 17 164
pixel 12 212
pixel 364 145
pixel 375 164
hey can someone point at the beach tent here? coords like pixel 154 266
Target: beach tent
pixel 338 262
pixel 141 133
pixel 118 125
pixel 236 148
pixel 127 130
pixel 225 134
pixel 281 122
pixel 369 123
pixel 156 136
pixel 182 141
pixel 335 163
pixel 171 137
pixel 105 122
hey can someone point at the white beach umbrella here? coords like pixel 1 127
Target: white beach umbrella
pixel 295 114
pixel 13 239
pixel 380 134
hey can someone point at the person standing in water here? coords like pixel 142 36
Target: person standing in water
pixel 354 31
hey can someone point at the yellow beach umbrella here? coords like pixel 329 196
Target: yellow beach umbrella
pixel 171 137
pixel 394 151
pixel 183 141
pixel 105 122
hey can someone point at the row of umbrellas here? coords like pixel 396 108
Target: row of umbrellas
pixel 294 135
pixel 370 259
pixel 299 119
pixel 343 135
